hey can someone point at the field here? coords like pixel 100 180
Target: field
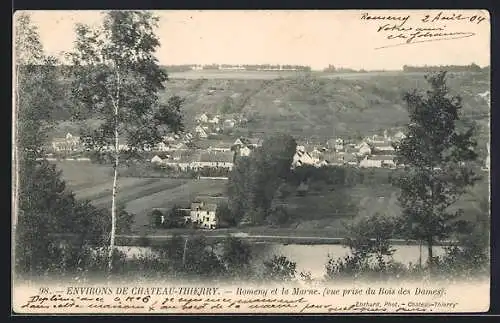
pixel 94 182
pixel 269 75
pixel 313 214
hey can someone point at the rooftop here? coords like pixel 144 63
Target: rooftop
pixel 216 157
pixel 381 157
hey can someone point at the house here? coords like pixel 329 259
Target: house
pixel 302 157
pixel 203 118
pixel 168 139
pixel 179 146
pixel 214 160
pixel 229 123
pixel 384 148
pixel 364 149
pixel 156 160
pixel 214 120
pixel 203 215
pixel 249 142
pixel 239 143
pixel 245 151
pixel 339 144
pixel 161 146
pixel 331 159
pixel 370 163
pixel 378 161
pixel 316 154
pixel 200 132
pixel 68 143
pixel 398 136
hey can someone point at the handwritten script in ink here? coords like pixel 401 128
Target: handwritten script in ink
pixel 408 29
pixel 173 299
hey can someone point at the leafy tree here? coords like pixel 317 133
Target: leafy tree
pixel 236 256
pixel 368 238
pixel 36 91
pixel 436 156
pixel 255 180
pixel 173 252
pixel 278 216
pixel 200 259
pixel 117 77
pixel 280 268
pixel 39 194
pixel 224 215
pixel 469 257
pixel 240 187
pixel 155 218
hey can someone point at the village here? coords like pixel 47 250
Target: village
pixel 181 151
pixel 181 154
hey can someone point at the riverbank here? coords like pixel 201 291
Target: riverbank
pixel 283 238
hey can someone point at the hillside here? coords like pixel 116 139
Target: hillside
pixel 315 106
pixel 312 106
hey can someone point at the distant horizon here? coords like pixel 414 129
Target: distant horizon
pixel 337 67
pixel 314 38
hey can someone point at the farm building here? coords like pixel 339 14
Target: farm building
pixel 214 160
pixel 378 161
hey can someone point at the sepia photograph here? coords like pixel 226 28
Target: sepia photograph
pixel 250 161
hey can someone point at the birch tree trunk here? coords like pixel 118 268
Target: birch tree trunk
pixel 116 103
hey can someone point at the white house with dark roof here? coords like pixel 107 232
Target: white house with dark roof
pixel 203 214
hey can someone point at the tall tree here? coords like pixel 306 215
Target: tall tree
pixel 118 78
pixel 36 185
pixel 28 51
pixel 437 159
pixel 255 179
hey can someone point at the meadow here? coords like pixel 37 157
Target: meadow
pixel 313 214
pixel 139 195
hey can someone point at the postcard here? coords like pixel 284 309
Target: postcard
pixel 251 161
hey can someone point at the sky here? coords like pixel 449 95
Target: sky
pixel 342 38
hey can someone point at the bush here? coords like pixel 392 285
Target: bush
pixel 279 268
pixel 278 216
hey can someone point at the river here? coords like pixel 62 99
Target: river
pixel 313 258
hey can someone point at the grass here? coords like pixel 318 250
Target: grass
pixel 140 195
pixel 315 212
